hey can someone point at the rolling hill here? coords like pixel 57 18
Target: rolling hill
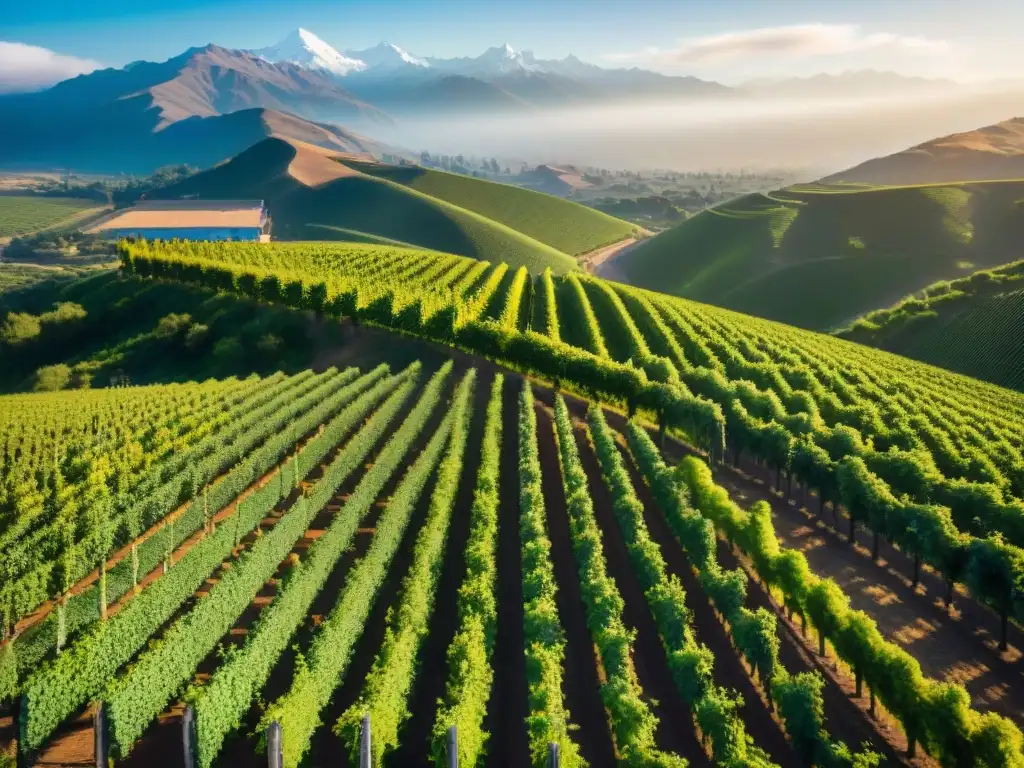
pixel 993 152
pixel 567 226
pixel 820 255
pixel 310 195
pixel 971 325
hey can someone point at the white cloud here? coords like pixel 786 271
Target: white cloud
pixel 29 67
pixel 797 41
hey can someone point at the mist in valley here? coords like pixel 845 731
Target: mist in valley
pixel 814 135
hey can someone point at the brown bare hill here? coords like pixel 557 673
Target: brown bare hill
pixel 198 108
pixel 990 153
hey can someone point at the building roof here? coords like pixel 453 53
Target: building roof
pixel 181 214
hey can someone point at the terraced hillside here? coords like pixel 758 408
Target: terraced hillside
pixel 971 325
pixel 313 196
pixel 570 227
pixel 818 256
pixel 434 544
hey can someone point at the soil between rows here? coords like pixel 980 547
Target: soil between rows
pixel 729 671
pixel 432 662
pixel 582 679
pixel 676 732
pixel 507 708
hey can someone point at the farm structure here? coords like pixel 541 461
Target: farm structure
pixel 191 220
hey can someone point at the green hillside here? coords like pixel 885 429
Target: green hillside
pixel 562 224
pixel 366 208
pixel 971 325
pixel 819 255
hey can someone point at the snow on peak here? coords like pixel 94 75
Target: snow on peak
pixel 303 48
pixel 387 56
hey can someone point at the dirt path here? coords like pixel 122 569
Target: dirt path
pixel 592 260
pixel 607 263
pixel 581 684
pixel 676 731
pixel 507 709
pixel 960 647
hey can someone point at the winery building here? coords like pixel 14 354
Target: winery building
pixel 244 220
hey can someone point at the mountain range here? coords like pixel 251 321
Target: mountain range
pixel 209 103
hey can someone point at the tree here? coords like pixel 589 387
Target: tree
pixel 52 378
pixel 19 327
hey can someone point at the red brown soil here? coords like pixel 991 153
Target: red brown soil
pixel 582 680
pixel 676 732
pixel 508 709
pixel 432 662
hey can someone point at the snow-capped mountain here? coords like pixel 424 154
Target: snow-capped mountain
pixel 387 56
pixel 305 49
pixel 500 60
pixel 502 78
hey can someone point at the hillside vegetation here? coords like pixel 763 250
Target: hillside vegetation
pixel 820 255
pixel 972 325
pixel 562 224
pixel 360 206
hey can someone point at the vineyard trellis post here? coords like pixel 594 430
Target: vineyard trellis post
pixel 100 736
pixel 453 747
pixel 275 746
pixel 188 736
pixel 365 746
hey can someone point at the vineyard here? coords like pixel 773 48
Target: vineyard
pixel 406 562
pixel 969 325
pixel 20 215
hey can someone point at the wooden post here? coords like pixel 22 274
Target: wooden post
pixel 553 761
pixel 453 747
pixel 188 736
pixel 365 746
pixel 22 757
pixel 100 736
pixel 275 746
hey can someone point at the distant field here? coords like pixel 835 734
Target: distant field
pixel 24 214
pixel 819 255
pixel 374 209
pixel 567 226
pixel 971 325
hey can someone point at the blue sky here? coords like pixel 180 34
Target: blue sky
pixel 728 40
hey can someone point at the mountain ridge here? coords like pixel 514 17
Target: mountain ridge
pixel 992 152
